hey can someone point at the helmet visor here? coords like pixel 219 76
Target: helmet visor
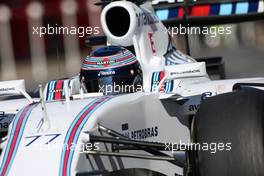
pixel 112 85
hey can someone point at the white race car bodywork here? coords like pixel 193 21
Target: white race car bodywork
pixel 152 115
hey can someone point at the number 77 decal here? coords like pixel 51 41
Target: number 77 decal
pixel 51 138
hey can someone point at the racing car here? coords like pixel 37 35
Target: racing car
pixel 138 107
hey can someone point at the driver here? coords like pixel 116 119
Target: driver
pixel 111 70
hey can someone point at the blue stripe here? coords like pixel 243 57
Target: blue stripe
pixel 116 65
pixel 53 88
pixel 156 79
pixel 77 118
pixel 233 8
pixel 242 7
pixel 127 61
pixel 79 130
pixel 157 76
pixel 173 13
pixel 71 127
pixel 63 89
pixel 152 81
pixel 14 124
pixel 49 88
pixel 226 9
pixel 162 14
pixel 19 137
pixel 112 58
pixel 169 89
pixel 130 60
pixel 172 85
pixel 214 9
pixel 166 86
pixel 253 6
pixel 47 94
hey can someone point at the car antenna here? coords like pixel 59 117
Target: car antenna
pixel 45 119
pixel 58 54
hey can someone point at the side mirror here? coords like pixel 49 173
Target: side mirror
pixel 16 87
pixel 182 71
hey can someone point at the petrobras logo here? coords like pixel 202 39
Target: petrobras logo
pixel 106 73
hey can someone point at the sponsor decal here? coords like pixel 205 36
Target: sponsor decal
pixel 143 133
pixel 5 120
pixel 195 107
pixel 185 72
pixel 124 126
pixel 105 62
pixel 167 87
pixel 48 138
pixel 106 73
pixel 206 95
pixel 55 90
pixel 7 89
pixel 152 44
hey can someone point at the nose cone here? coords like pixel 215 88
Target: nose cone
pixel 29 151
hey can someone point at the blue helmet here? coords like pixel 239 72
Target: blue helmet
pixel 111 70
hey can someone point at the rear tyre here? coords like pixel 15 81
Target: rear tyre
pixel 236 119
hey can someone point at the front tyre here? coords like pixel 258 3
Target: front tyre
pixel 235 118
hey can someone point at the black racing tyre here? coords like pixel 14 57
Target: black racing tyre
pixel 232 125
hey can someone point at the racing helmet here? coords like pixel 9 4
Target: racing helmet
pixel 111 70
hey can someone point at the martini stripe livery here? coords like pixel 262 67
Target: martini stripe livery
pixel 74 132
pixel 18 127
pixel 215 9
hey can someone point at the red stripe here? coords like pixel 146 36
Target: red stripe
pixel 181 12
pixel 58 90
pixel 202 10
pixel 90 63
pixel 118 60
pixel 161 76
pixel 103 68
pixel 14 139
pixel 124 58
pixel 73 132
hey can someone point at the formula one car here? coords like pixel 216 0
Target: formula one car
pixel 150 110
